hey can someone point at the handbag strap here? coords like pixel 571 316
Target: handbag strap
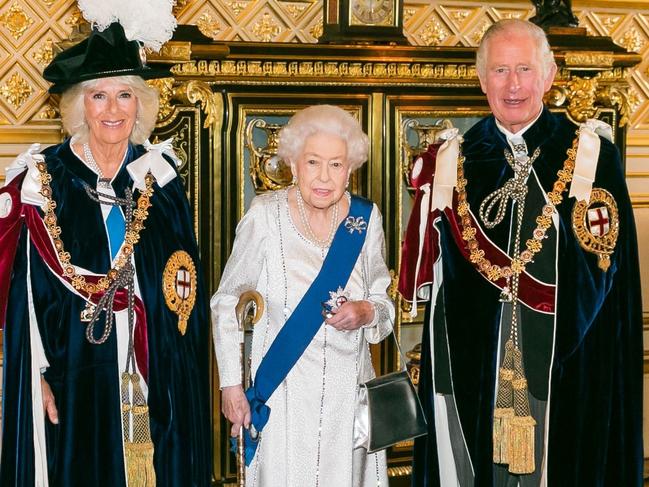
pixel 369 352
pixel 396 342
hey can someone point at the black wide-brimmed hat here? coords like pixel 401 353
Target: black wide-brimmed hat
pixel 101 55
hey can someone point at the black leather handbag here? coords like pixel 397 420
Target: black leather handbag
pixel 388 411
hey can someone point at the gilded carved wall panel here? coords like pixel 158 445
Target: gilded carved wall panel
pixel 28 31
pixel 30 28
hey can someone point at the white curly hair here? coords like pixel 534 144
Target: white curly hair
pixel 327 119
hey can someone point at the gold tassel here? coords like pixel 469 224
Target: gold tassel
pixel 504 407
pixel 138 447
pixel 521 454
pixel 139 464
pixel 501 434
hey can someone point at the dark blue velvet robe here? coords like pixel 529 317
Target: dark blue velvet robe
pixel 595 420
pixel 85 449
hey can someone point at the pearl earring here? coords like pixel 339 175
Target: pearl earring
pixel 294 180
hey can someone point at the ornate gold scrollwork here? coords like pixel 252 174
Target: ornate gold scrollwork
pixel 351 72
pixel 555 97
pixel 209 26
pixel 49 112
pixel 399 471
pixel 165 87
pixel 393 289
pixel 586 95
pixel 267 170
pixel 172 51
pixel 211 103
pixel 581 98
pixel 16 20
pixel 16 90
pixel 590 59
pixel 426 134
pixel 613 96
pixel 414 361
pixel 178 6
pixel 267 28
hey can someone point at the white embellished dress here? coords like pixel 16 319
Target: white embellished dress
pixel 308 440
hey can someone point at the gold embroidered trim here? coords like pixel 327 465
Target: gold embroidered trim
pixel 131 238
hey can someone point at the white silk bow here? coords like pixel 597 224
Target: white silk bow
pixel 31 187
pixel 154 162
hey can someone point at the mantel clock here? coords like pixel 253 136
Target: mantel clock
pixel 363 21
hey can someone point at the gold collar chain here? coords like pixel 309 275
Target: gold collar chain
pixel 477 256
pixel 131 237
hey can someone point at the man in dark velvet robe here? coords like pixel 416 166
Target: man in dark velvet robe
pixel 578 321
pixel 84 441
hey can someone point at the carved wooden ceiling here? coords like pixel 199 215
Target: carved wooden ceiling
pixel 28 29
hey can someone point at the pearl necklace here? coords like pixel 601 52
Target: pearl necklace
pixel 90 159
pixel 307 227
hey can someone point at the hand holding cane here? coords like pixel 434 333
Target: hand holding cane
pixel 248 301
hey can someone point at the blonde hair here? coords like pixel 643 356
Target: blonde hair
pixel 546 57
pixel 73 114
pixel 327 119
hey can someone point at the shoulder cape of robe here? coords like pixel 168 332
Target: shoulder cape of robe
pixel 595 417
pixel 86 447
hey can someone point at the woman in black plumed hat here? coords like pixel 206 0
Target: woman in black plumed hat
pixel 101 297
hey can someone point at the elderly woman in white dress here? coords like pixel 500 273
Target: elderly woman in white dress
pixel 316 255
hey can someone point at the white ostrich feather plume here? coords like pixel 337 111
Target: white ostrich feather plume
pixel 149 21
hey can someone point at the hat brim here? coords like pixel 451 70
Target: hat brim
pixel 144 72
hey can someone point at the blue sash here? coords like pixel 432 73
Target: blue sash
pixel 305 321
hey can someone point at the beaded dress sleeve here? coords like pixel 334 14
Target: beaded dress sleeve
pixel 241 273
pixel 377 281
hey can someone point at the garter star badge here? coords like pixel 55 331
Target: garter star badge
pixel 335 301
pixel 179 286
pixel 596 225
pixel 338 298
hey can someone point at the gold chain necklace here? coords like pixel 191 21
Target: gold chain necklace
pixel 533 245
pixel 131 237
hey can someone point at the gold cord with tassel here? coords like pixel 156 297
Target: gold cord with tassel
pixel 138 447
pixel 514 427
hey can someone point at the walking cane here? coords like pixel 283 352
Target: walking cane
pixel 248 301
